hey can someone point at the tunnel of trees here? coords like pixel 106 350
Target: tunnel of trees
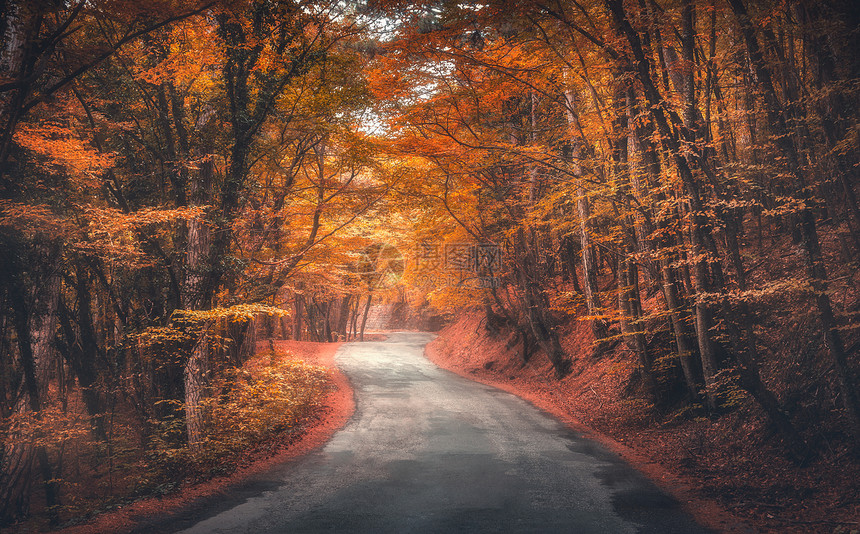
pixel 181 179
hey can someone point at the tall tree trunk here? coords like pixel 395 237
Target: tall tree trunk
pixel 311 320
pixel 590 288
pixel 196 296
pixel 246 342
pixel 343 316
pixel 299 307
pixel 630 318
pixel 35 326
pixel 704 319
pixel 196 382
pixel 589 268
pixel 535 305
pixel 627 271
pixel 82 350
pixel 18 28
pixel 326 316
pixel 353 319
pixel 364 316
pixel 570 262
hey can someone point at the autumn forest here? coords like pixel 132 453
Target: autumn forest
pixel 664 188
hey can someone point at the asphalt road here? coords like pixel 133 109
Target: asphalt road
pixel 429 451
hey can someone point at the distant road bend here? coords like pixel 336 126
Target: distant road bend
pixel 429 451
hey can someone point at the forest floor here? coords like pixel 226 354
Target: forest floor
pixel 728 472
pixel 336 411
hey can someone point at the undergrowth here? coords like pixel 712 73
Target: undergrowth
pixel 250 407
pixel 250 411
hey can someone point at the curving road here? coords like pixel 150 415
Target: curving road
pixel 429 451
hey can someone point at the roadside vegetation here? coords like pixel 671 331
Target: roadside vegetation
pixel 254 411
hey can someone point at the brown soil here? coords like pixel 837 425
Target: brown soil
pixel 727 472
pixel 338 409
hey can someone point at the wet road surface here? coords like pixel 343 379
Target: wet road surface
pixel 429 451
